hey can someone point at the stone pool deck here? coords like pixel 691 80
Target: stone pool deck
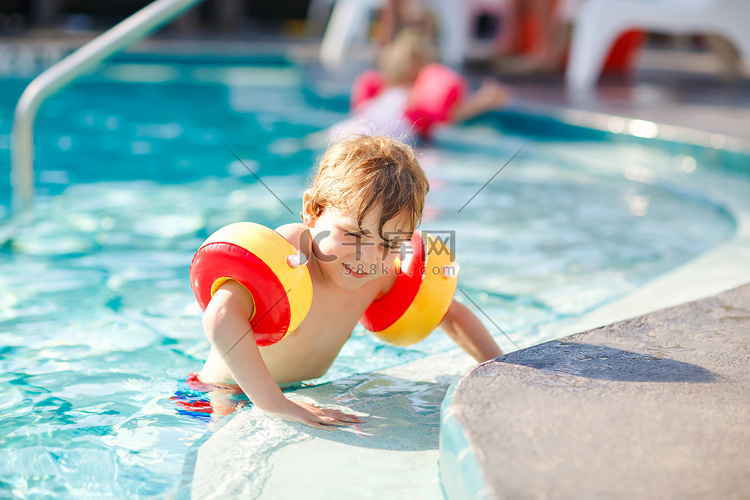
pixel 657 406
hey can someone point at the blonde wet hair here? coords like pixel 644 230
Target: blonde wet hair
pixel 402 59
pixel 359 173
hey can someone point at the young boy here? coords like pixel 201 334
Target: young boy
pixel 366 192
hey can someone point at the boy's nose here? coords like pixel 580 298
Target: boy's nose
pixel 369 253
pixel 376 253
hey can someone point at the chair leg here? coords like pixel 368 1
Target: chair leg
pixel 347 19
pixel 452 30
pixel 727 55
pixel 594 34
pixel 740 38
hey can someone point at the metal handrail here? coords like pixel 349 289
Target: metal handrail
pixel 53 79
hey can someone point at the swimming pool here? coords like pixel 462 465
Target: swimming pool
pixel 135 168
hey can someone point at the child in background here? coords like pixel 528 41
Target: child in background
pixel 366 192
pixel 410 93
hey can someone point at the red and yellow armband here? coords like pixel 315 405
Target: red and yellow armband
pixel 267 265
pixel 420 297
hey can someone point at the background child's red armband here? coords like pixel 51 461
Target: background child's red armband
pixel 436 92
pixel 366 87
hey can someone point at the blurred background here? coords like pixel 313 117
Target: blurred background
pixel 626 174
pixel 303 22
pixel 235 18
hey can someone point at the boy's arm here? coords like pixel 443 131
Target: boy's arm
pixel 491 95
pixel 469 333
pixel 227 328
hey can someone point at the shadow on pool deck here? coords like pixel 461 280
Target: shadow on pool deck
pixel 556 361
pixel 653 407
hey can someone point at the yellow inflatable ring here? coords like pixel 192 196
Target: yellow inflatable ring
pixel 258 258
pixel 420 297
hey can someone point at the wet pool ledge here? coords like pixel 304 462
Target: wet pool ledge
pixel 653 407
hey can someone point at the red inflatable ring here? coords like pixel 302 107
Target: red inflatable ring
pixel 256 257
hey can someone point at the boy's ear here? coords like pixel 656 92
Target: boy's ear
pixel 308 216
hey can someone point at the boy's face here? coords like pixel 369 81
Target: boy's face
pixel 350 255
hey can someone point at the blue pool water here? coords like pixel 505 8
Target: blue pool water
pixel 98 326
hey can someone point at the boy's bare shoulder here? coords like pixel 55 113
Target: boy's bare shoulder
pixel 292 232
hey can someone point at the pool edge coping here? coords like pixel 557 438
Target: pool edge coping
pixel 648 298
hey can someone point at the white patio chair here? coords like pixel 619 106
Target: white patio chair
pixel 598 23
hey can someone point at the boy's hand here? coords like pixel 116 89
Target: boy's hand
pixel 226 325
pixel 492 95
pixel 315 416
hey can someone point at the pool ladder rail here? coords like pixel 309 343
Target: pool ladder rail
pixel 119 37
